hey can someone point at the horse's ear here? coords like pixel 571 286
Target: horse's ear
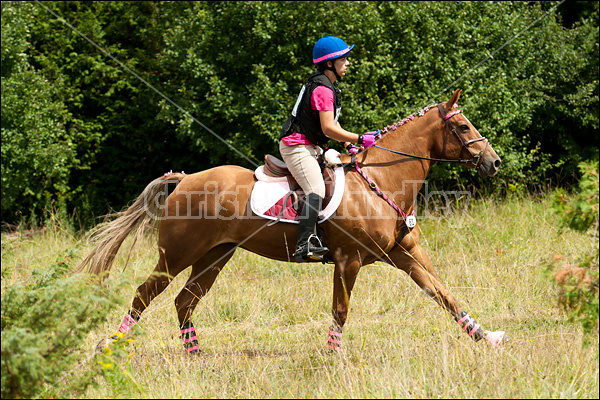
pixel 453 100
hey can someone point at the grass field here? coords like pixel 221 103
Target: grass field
pixel 263 326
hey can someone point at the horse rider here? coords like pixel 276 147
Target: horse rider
pixel 314 121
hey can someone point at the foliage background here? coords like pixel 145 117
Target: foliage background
pixel 83 135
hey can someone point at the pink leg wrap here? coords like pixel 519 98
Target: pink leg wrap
pixel 474 329
pixel 127 323
pixel 190 341
pixel 469 325
pixel 196 347
pixel 463 319
pixel 334 341
pixel 188 330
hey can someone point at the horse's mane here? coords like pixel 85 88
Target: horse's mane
pixel 403 122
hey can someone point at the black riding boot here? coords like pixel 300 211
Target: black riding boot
pixel 309 246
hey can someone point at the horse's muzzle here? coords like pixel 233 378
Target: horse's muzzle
pixel 489 165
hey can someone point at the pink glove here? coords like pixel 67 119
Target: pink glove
pixel 376 133
pixel 368 140
pixel 353 149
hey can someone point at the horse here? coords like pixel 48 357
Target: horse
pixel 207 217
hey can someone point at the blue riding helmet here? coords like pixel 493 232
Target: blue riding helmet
pixel 330 48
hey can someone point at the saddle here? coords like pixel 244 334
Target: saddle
pixel 276 168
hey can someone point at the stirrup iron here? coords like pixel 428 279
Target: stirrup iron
pixel 315 251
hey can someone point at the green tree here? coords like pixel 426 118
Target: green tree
pixel 530 83
pixel 37 148
pixel 241 64
pixel 122 144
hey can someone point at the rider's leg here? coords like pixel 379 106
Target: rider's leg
pixel 307 246
pixel 302 162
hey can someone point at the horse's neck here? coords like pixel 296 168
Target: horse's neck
pixel 399 176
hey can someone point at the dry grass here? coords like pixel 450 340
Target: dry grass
pixel 263 326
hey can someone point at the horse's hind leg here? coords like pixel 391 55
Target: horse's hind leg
pixel 411 258
pixel 154 285
pixel 204 273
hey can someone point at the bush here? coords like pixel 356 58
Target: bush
pixel 580 211
pixel 115 366
pixel 578 284
pixel 44 324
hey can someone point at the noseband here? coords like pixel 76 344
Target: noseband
pixel 475 159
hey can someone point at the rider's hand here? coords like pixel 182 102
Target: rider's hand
pixel 376 133
pixel 367 140
pixel 352 149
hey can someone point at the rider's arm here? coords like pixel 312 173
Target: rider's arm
pixel 334 130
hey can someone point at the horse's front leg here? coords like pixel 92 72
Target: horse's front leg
pixel 344 277
pixel 410 257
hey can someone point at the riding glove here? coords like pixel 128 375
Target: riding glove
pixel 366 140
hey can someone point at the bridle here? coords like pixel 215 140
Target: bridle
pixel 475 159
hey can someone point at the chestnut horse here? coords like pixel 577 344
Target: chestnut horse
pixel 207 217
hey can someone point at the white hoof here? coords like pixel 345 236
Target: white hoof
pixel 105 343
pixel 495 339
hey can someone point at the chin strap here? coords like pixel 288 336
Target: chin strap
pixel 332 68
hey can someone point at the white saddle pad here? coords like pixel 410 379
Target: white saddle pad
pixel 266 199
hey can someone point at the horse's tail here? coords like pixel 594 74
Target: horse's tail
pixel 110 236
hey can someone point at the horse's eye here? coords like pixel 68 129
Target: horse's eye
pixel 464 127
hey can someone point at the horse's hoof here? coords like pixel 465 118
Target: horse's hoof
pixel 104 343
pixel 495 339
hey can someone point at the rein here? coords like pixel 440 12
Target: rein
pixel 410 219
pixel 423 158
